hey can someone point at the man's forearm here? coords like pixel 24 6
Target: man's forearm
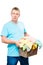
pixel 26 34
pixel 8 41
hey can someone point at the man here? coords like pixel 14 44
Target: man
pixel 12 32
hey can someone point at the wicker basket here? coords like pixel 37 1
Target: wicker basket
pixel 28 54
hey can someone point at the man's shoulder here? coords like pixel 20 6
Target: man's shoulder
pixel 7 24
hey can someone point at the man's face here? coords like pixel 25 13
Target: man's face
pixel 15 15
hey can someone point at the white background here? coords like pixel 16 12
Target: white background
pixel 31 16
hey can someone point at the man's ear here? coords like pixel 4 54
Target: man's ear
pixel 19 15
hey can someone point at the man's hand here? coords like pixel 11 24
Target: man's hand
pixel 18 43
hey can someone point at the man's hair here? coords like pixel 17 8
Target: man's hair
pixel 15 8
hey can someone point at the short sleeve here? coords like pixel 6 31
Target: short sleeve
pixel 4 31
pixel 24 27
pixel 24 30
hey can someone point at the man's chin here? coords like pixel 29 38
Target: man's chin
pixel 14 20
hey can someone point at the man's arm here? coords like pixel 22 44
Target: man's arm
pixel 32 39
pixel 8 41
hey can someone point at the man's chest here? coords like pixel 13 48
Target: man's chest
pixel 15 30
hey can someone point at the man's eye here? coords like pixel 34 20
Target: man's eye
pixel 15 13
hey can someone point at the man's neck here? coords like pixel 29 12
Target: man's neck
pixel 15 21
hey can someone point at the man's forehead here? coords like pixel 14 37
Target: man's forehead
pixel 16 11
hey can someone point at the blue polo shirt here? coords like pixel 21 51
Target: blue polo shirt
pixel 13 31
